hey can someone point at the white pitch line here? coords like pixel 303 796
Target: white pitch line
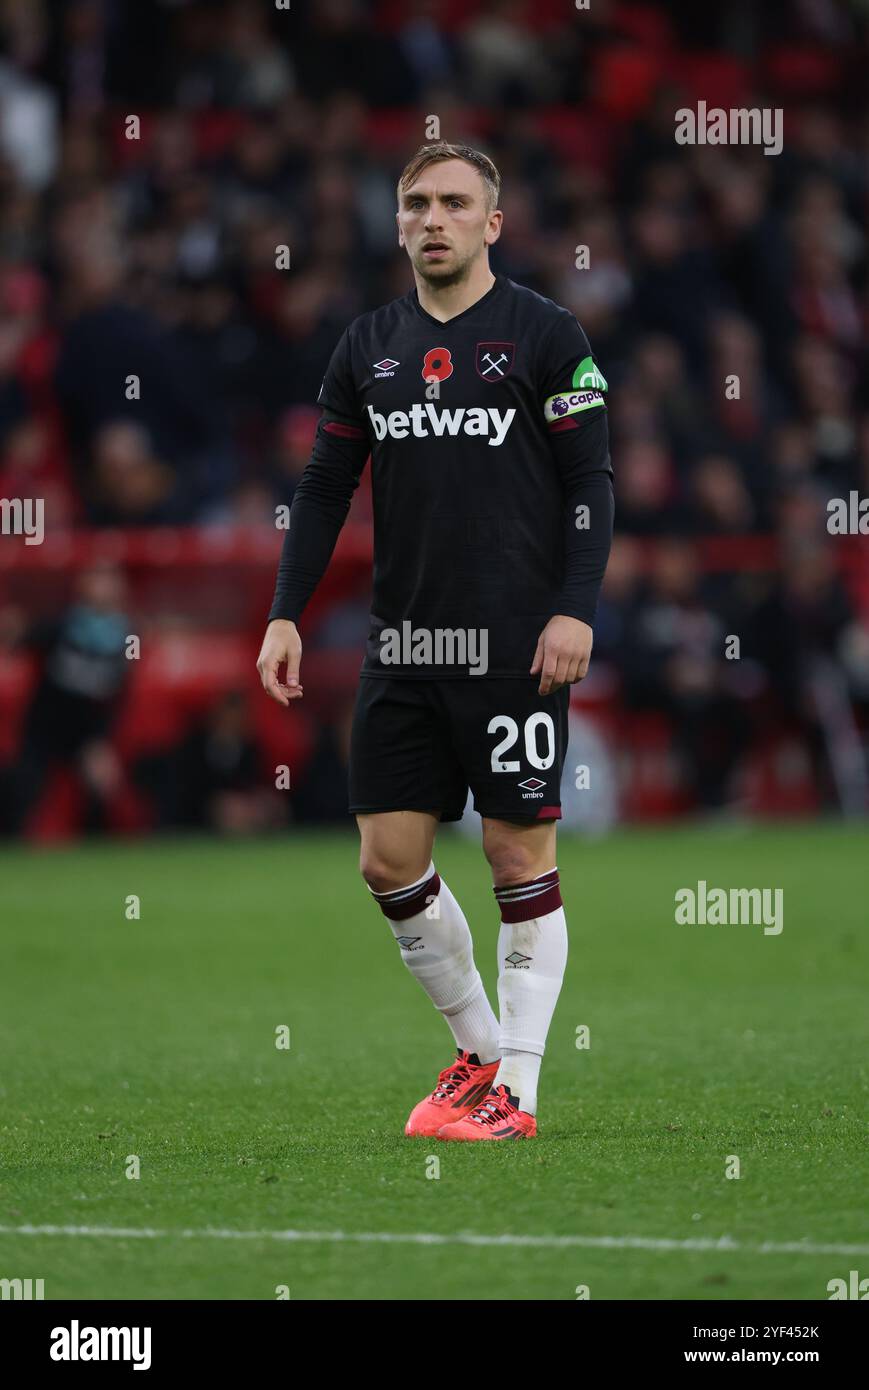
pixel 723 1245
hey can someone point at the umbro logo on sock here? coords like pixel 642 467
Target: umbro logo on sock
pixel 408 943
pixel 517 960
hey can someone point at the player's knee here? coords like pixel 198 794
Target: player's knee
pixel 383 875
pixel 511 863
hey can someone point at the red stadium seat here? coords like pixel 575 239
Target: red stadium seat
pixel 651 788
pixel 626 79
pixel 581 138
pixel 801 72
pixel 715 78
pixel 393 132
pixel 644 25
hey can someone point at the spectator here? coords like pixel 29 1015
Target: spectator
pixel 83 671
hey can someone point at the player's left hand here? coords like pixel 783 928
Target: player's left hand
pixel 563 653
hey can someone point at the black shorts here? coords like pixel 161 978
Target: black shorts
pixel 419 746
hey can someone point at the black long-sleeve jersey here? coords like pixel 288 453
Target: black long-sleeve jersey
pixel 491 477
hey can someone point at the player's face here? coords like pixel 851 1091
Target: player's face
pixel 444 222
pixel 102 587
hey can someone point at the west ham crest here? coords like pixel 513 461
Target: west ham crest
pixel 494 360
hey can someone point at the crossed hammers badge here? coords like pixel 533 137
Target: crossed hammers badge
pixel 494 360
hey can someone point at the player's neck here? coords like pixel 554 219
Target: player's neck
pixel 446 301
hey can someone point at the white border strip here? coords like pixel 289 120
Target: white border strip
pixel 724 1244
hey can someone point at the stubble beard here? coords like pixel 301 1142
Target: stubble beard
pixel 438 278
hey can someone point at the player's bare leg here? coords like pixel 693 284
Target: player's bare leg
pixel 435 944
pixel 396 847
pixel 518 851
pixel 532 955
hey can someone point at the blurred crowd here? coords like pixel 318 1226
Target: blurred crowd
pixel 144 252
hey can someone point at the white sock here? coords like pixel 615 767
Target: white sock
pixel 532 956
pixel 436 946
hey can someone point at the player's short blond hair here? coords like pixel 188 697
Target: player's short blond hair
pixel 436 150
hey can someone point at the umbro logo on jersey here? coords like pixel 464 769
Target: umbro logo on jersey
pixel 494 360
pixel 386 367
pixel 424 420
pixel 532 784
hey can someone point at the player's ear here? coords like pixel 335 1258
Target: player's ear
pixel 400 232
pixel 493 228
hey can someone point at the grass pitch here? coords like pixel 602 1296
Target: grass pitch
pixel 156 1038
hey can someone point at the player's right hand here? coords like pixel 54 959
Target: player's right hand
pixel 281 644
